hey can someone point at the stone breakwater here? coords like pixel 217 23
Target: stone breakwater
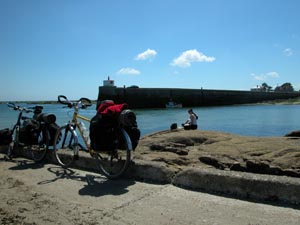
pixel 158 97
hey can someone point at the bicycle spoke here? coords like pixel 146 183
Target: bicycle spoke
pixel 65 146
pixel 114 164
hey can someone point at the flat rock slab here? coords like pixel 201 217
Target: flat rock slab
pixel 180 149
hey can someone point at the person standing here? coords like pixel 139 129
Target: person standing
pixel 191 123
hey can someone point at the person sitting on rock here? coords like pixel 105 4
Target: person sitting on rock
pixel 191 123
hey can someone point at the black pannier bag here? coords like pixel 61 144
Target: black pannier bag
pixel 5 136
pixel 103 133
pixel 29 132
pixel 127 120
pixel 52 127
pixel 104 126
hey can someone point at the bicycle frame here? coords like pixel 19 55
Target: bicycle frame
pixel 75 118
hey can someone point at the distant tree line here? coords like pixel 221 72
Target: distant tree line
pixel 286 87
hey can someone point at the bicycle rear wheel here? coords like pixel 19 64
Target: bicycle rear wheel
pixel 113 164
pixel 65 144
pixel 39 150
pixel 12 147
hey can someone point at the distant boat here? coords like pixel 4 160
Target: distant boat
pixel 172 104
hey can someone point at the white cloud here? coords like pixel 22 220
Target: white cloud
pixel 258 77
pixel 288 52
pixel 264 76
pixel 187 57
pixel 272 74
pixel 148 54
pixel 128 70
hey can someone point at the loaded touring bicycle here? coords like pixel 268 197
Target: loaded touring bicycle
pixel 112 137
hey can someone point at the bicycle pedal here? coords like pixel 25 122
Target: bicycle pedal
pixel 76 157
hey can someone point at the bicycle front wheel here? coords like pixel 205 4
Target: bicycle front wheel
pixel 65 145
pixel 39 150
pixel 113 164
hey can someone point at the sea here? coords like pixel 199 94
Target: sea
pixel 249 120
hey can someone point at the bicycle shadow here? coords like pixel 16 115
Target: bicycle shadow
pixel 96 185
pixel 105 187
pixel 24 164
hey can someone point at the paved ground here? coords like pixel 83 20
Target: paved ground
pixel 250 167
pixel 48 194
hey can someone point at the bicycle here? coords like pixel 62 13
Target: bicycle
pixel 112 163
pixel 33 137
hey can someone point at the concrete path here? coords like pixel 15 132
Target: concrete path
pixel 270 188
pixel 238 184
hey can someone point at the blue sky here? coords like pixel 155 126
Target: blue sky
pixel 52 47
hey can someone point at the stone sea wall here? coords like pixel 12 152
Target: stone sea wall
pixel 158 97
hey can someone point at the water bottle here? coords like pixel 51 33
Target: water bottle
pixel 85 132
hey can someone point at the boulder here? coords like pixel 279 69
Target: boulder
pixel 295 133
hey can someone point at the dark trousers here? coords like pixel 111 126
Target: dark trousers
pixel 190 127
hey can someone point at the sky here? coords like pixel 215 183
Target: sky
pixel 54 47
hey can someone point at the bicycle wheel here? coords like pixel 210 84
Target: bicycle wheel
pixel 12 150
pixel 39 150
pixel 65 145
pixel 114 164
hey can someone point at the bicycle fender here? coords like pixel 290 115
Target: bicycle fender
pixel 128 140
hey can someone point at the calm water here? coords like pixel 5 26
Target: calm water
pixel 254 120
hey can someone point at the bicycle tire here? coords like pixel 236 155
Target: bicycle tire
pixel 113 164
pixel 12 147
pixel 65 146
pixel 39 151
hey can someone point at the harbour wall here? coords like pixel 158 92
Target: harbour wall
pixel 158 97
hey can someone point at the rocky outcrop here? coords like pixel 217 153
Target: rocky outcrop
pixel 295 133
pixel 180 149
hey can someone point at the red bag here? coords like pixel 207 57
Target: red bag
pixel 104 105
pixel 114 110
pixel 109 108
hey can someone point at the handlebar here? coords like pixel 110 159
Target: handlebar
pixel 82 103
pixel 37 110
pixel 18 108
